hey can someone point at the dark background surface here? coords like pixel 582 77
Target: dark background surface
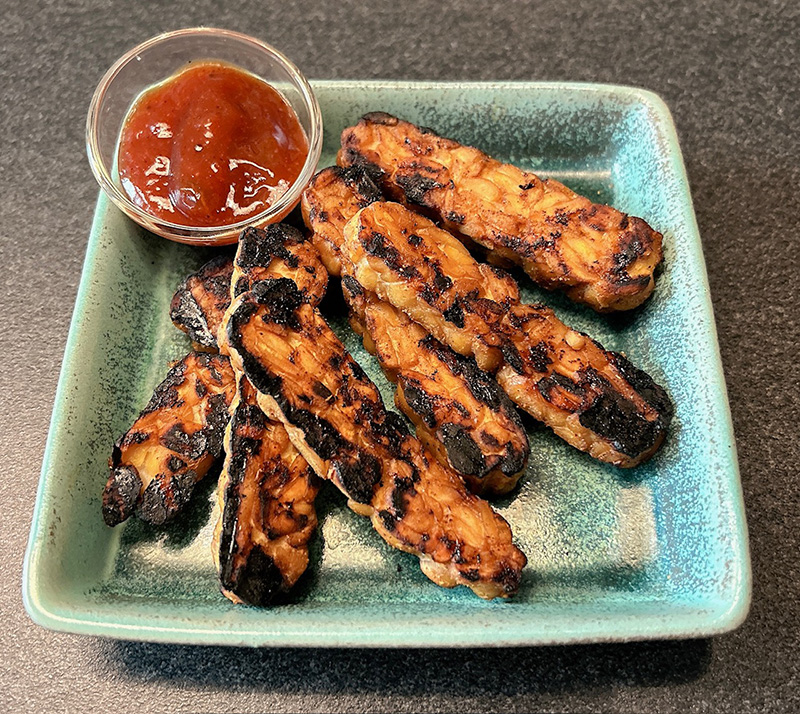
pixel 729 71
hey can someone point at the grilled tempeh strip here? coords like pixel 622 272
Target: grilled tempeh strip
pixel 266 490
pixel 592 398
pixel 331 199
pixel 278 251
pixel 336 417
pixel 201 299
pixel 594 253
pixel 266 499
pixel 172 444
pixel 459 411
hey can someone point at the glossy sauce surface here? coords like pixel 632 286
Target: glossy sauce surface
pixel 210 146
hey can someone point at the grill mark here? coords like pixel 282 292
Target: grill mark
pixel 455 314
pixel 462 451
pixel 415 187
pixel 257 246
pixel 617 420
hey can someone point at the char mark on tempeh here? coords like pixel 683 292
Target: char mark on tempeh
pixel 460 412
pixel 279 251
pixel 266 498
pixel 331 199
pixel 200 301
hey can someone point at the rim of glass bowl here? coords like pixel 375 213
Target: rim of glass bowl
pixel 203 233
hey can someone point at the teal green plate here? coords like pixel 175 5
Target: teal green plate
pixel 656 552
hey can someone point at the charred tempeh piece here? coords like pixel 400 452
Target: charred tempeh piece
pixel 431 276
pixel 266 498
pixel 201 299
pixel 266 491
pixel 336 417
pixel 331 199
pixel 592 398
pixel 596 254
pixel 172 444
pixel 459 411
pixel 278 251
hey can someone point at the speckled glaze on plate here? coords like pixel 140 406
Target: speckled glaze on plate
pixel 659 551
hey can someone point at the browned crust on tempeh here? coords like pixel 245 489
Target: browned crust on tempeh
pixel 278 251
pixel 334 412
pixel 200 301
pixel 594 253
pixel 592 398
pixel 172 444
pixel 266 498
pixel 459 411
pixel 331 199
pixel 431 276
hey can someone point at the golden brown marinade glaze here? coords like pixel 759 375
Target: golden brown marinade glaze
pixel 431 276
pixel 596 254
pixel 335 416
pixel 594 399
pixel 172 444
pixel 459 411
pixel 331 199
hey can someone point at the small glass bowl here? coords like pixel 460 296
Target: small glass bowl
pixel 156 60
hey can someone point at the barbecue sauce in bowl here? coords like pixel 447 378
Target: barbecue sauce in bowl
pixel 210 146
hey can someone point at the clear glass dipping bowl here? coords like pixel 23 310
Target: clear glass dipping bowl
pixel 156 60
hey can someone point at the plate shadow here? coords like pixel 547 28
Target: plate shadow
pixel 509 671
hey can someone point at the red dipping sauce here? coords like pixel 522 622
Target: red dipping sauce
pixel 210 146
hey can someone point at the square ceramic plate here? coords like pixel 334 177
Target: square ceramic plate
pixel 656 552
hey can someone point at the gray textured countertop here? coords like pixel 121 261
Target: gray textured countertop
pixel 729 72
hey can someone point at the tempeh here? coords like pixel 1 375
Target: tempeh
pixel 266 500
pixel 278 251
pixel 266 490
pixel 200 301
pixel 172 444
pixel 431 276
pixel 592 398
pixel 596 254
pixel 460 412
pixel 331 199
pixel 336 417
